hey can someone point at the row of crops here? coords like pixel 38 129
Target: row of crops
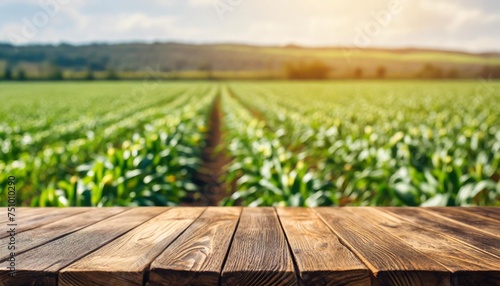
pixel 290 144
pixel 107 147
pixel 375 144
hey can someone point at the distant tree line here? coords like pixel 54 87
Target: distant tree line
pixel 100 63
pixel 305 70
pixel 318 70
pixel 55 73
pixel 490 71
pixel 9 74
pixel 300 70
pixel 430 71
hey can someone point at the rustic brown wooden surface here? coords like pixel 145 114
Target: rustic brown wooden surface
pixel 254 246
pixel 124 261
pixel 259 254
pixel 489 212
pixel 314 245
pixel 42 217
pixel 52 231
pixel 391 260
pixel 197 256
pixel 41 265
pixel 471 235
pixel 466 262
pixel 473 220
pixel 22 213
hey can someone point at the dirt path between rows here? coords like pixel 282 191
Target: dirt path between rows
pixel 209 177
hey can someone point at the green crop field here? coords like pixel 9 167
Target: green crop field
pixel 395 143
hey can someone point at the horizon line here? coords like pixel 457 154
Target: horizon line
pixel 220 43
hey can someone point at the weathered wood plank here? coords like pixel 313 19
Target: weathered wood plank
pixel 489 212
pixel 52 231
pixel 390 259
pixel 321 258
pixel 481 240
pixel 21 213
pixel 259 252
pixel 40 265
pixel 466 262
pixel 478 222
pixel 197 256
pixel 43 217
pixel 124 260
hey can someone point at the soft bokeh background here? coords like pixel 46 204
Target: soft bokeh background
pixel 317 103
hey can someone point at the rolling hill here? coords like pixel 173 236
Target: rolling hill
pixel 130 60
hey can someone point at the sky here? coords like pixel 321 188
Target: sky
pixel 444 24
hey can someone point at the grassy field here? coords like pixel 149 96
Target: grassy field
pixel 283 143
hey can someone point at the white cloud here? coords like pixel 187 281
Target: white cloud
pixel 443 16
pixel 197 3
pixel 138 21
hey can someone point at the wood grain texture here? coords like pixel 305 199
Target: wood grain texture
pixel 321 258
pixel 21 213
pixel 489 212
pixel 256 246
pixel 466 262
pixel 478 222
pixel 124 260
pixel 52 231
pixel 390 259
pixel 43 217
pixel 259 252
pixel 40 265
pixel 481 240
pixel 197 256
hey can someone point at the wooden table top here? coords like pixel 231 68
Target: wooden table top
pixel 251 246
